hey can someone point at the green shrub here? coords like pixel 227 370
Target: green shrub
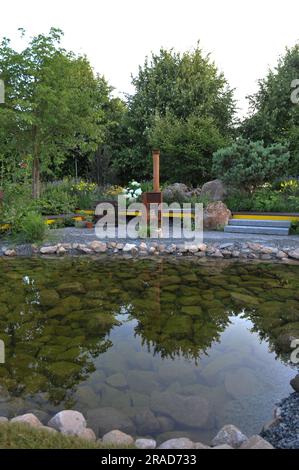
pixel 264 199
pixel 239 201
pixel 58 223
pixel 187 146
pixel 85 194
pixel 69 222
pixel 248 165
pixel 295 228
pixel 32 228
pixel 56 199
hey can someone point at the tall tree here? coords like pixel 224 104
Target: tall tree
pixel 53 101
pixel 273 115
pixel 185 90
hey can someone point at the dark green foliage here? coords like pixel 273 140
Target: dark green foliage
pixel 183 105
pixel 269 198
pixel 186 147
pixel 57 199
pixel 274 118
pixel 247 165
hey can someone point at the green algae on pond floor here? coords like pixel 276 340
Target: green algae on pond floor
pixel 158 348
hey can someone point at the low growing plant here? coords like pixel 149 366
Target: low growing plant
pixel 32 228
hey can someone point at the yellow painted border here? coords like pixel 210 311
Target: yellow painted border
pixel 289 218
pixel 164 214
pixel 89 212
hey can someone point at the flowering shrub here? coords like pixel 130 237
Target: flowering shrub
pixel 84 186
pixel 114 191
pixel 290 187
pixel 85 194
pixel 133 191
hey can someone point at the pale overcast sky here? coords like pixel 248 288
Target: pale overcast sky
pixel 244 37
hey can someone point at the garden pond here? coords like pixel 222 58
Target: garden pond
pixel 161 348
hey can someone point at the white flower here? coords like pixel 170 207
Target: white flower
pixel 138 192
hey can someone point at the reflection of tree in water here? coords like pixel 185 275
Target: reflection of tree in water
pixel 177 335
pixel 172 329
pixel 270 300
pixel 52 337
pixel 49 349
pixel 266 295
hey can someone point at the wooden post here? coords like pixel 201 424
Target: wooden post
pixel 156 162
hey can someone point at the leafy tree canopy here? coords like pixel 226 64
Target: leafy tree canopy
pixel 54 103
pixel 274 118
pixel 176 93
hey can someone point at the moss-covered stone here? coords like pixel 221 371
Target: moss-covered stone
pixel 69 288
pixel 49 298
pixel 192 310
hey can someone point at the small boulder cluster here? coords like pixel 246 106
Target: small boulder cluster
pixel 73 423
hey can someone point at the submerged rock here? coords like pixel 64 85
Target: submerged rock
pixel 117 380
pixel 191 411
pixel 142 381
pixel 241 383
pixel 71 288
pixel 114 397
pixel 104 420
pixel 146 422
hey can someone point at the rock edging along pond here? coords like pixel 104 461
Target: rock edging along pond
pixel 237 250
pixel 73 423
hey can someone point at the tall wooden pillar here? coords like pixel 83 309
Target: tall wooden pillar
pixel 154 197
pixel 156 164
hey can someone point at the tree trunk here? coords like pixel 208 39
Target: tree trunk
pixel 36 166
pixel 36 178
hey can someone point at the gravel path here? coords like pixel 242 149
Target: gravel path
pixel 217 239
pixel 285 435
pixel 74 235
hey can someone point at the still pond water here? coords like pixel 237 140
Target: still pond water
pixel 154 348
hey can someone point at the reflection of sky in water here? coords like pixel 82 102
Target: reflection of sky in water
pixel 250 378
